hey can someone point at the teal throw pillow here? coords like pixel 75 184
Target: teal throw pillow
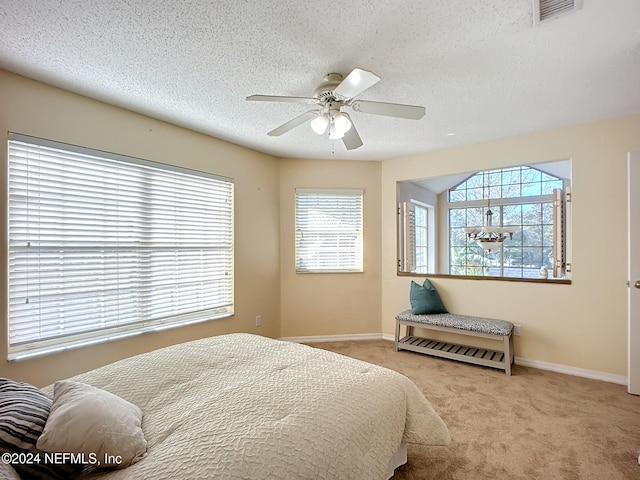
pixel 425 299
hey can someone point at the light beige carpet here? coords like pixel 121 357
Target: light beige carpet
pixel 533 425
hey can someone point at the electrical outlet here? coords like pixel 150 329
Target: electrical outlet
pixel 517 329
pixel 258 320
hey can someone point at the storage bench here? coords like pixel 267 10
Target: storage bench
pixel 461 325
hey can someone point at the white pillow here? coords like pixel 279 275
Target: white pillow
pixel 89 420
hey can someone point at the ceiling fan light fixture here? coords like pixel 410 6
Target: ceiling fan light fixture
pixel 334 133
pixel 320 124
pixel 341 122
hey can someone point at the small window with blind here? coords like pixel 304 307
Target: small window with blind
pixel 103 246
pixel 328 230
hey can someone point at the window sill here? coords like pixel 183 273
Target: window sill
pixel 558 281
pixel 88 340
pixel 305 272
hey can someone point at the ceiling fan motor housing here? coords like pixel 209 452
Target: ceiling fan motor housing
pixel 324 91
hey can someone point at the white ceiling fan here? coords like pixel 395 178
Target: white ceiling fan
pixel 331 97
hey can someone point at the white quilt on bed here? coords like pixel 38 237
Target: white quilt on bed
pixel 242 406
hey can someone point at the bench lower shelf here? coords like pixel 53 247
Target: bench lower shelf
pixel 453 351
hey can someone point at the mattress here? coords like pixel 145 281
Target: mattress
pixel 242 406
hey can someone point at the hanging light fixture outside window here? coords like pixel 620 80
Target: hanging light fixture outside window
pixel 489 237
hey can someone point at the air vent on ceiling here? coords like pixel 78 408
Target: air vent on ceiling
pixel 548 9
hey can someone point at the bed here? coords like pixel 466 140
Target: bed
pixel 242 406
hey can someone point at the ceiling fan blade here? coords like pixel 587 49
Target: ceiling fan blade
pixel 299 120
pixel 412 112
pixel 355 83
pixel 275 98
pixel 351 139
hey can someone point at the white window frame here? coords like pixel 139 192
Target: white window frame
pixel 496 206
pixel 328 230
pixel 424 231
pixel 104 246
pixel 559 269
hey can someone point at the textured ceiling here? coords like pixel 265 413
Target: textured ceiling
pixel 481 68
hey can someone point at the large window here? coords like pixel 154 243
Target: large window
pixel 521 197
pixel 531 202
pixel 328 230
pixel 103 246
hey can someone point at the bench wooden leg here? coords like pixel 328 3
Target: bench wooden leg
pixel 513 351
pixel 508 353
pixel 397 334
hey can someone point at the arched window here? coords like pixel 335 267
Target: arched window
pixel 522 197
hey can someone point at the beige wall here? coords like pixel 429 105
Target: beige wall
pixel 330 303
pixel 36 109
pixel 582 325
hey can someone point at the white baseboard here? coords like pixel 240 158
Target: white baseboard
pixel 578 372
pixel 335 338
pixel 525 362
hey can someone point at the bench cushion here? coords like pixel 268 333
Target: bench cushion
pixel 461 322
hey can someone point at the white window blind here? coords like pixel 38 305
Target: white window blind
pixel 103 246
pixel 328 230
